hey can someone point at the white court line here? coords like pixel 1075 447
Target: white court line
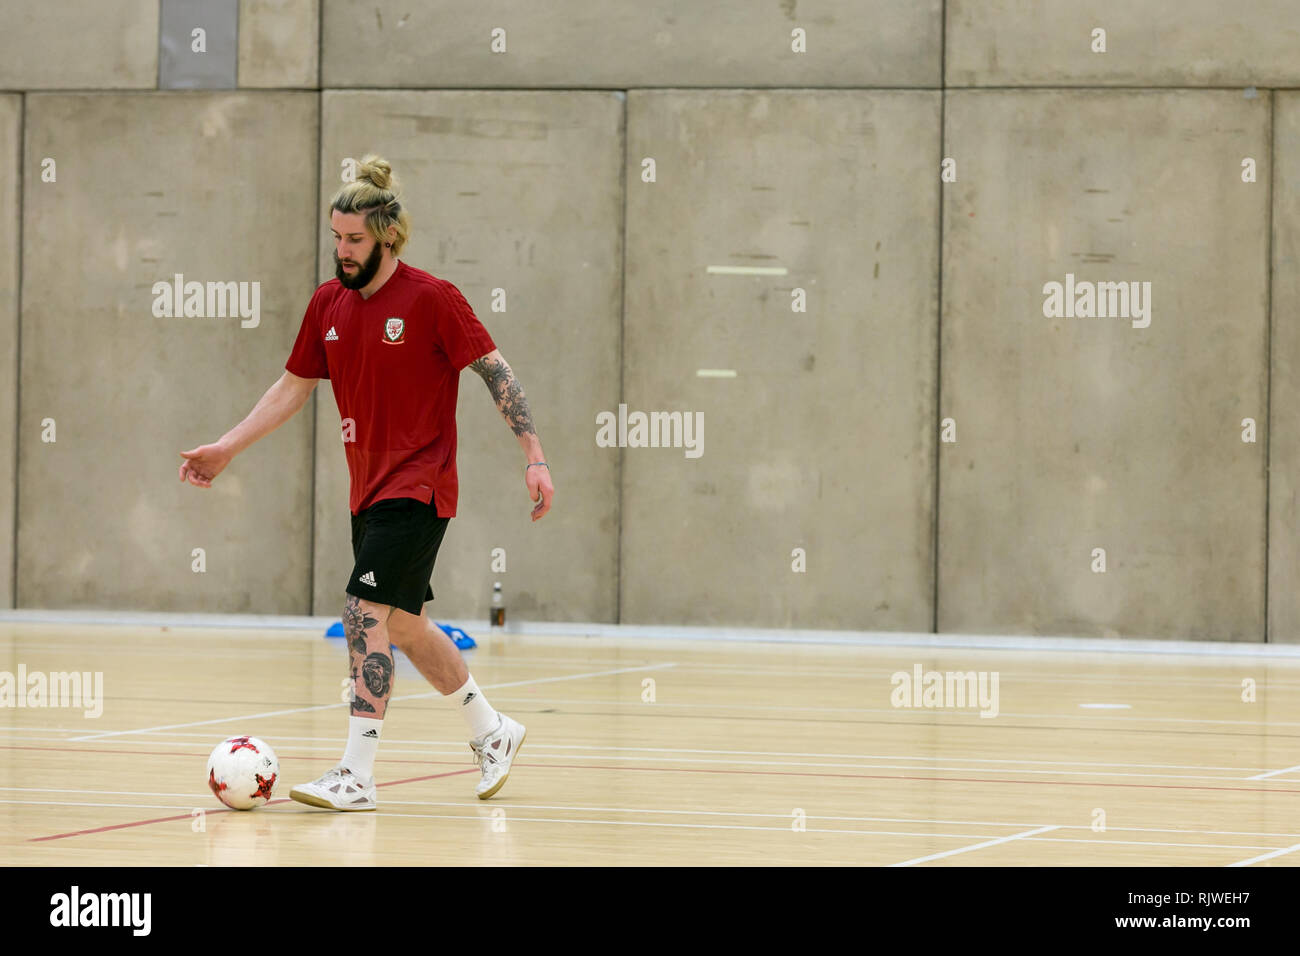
pixel 618 753
pixel 976 846
pixel 484 821
pixel 300 710
pixel 1018 675
pixel 914 642
pixel 1266 856
pixel 1273 773
pixel 1187 846
pixel 794 765
pixel 920 716
pixel 611 749
pixel 831 710
pixel 726 813
pixel 537 760
pixel 124 806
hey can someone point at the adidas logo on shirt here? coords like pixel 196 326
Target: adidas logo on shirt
pixel 368 578
pixel 331 335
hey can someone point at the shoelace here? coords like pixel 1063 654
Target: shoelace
pixel 482 756
pixel 337 773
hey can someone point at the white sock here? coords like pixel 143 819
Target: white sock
pixel 363 744
pixel 478 713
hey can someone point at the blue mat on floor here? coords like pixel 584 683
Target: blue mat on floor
pixel 463 640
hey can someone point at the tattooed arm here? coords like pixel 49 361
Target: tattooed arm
pixel 509 397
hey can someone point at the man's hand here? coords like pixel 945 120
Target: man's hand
pixel 540 489
pixel 204 463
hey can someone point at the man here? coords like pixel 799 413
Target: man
pixel 393 340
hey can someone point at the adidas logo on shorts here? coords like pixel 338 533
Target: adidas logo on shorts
pixel 331 335
pixel 368 578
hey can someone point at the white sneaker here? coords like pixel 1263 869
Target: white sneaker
pixel 494 753
pixel 337 790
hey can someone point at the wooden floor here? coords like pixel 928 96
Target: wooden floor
pixel 747 754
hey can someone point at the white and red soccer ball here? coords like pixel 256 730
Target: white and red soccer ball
pixel 242 772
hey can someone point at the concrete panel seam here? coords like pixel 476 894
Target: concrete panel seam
pixel 1268 357
pixel 18 336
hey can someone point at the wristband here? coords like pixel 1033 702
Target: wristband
pixel 542 463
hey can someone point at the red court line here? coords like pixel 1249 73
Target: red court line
pixel 761 773
pixel 187 816
pixel 432 776
pixel 123 826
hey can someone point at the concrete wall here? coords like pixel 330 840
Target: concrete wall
pixel 1175 43
pixel 102 519
pixel 629 43
pixel 1081 433
pixel 1284 442
pixel 104 45
pixel 11 113
pixel 924 302
pixel 279 43
pixel 837 189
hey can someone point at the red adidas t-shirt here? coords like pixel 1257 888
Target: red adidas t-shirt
pixel 394 361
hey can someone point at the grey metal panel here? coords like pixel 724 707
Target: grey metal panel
pixel 180 65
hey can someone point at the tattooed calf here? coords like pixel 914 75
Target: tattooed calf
pixel 355 622
pixel 377 671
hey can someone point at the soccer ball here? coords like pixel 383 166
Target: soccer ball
pixel 242 772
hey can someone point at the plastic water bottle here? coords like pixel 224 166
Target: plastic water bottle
pixel 497 616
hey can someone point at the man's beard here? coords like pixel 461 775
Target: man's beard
pixel 364 274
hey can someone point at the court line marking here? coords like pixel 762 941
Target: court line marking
pixel 1266 856
pixel 1009 677
pixel 902 778
pixel 537 754
pixel 612 751
pixel 427 754
pixel 299 710
pixel 976 846
pixel 923 821
pixel 1274 773
pixel 479 818
pixel 311 627
pixel 190 814
pixel 922 716
pixel 824 671
pixel 429 742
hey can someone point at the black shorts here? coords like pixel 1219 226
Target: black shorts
pixel 395 543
